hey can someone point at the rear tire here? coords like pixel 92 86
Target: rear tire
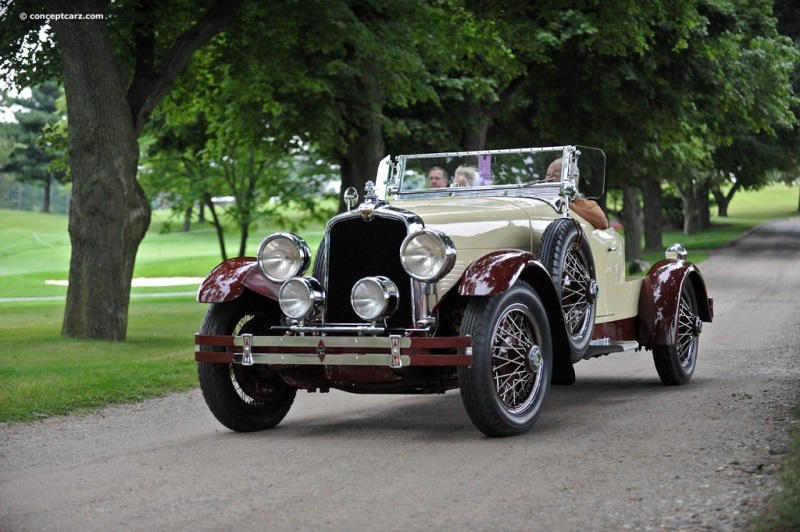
pixel 675 363
pixel 243 398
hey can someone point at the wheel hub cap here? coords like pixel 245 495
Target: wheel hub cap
pixel 535 358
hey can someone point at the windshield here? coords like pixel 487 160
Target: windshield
pixel 530 171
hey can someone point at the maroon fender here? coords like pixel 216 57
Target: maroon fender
pixel 660 297
pixel 496 272
pixel 228 280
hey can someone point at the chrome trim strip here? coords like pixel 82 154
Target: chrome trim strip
pixel 360 330
pixel 370 342
pixel 483 152
pixel 343 359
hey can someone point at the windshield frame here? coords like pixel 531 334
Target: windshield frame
pixel 569 172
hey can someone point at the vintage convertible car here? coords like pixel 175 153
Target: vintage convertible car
pixel 495 288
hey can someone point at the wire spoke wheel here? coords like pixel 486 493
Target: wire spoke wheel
pixel 576 283
pixel 243 398
pixel 512 361
pixel 687 335
pixel 675 363
pixel 516 377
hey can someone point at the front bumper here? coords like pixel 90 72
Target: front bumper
pixel 388 351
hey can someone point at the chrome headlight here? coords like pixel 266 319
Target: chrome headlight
pixel 676 251
pixel 282 256
pixel 301 298
pixel 374 298
pixel 428 255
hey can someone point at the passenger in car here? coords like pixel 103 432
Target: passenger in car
pixel 464 176
pixel 587 209
pixel 437 177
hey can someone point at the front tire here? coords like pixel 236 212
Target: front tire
pixel 675 363
pixel 243 398
pixel 505 388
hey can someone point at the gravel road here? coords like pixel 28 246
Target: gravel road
pixel 615 451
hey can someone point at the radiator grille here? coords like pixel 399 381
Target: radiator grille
pixel 359 249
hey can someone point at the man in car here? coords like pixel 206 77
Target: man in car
pixel 587 209
pixel 437 177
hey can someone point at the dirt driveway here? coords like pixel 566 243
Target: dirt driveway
pixel 615 451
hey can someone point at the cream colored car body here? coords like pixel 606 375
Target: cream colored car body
pixel 480 225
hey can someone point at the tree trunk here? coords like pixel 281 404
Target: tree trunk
pixel 247 204
pixel 359 162
pixel 703 207
pixel 48 185
pixel 474 138
pixel 217 225
pixel 723 200
pixel 654 221
pixel 632 220
pixel 109 213
pixel 690 222
pixel 187 219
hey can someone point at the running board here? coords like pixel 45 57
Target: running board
pixel 604 346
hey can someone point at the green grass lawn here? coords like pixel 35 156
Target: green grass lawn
pixel 68 375
pixel 35 248
pixel 747 210
pixel 43 374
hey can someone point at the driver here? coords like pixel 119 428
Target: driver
pixel 587 209
pixel 437 177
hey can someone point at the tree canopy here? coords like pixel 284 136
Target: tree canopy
pixel 255 98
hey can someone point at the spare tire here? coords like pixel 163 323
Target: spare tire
pixel 566 254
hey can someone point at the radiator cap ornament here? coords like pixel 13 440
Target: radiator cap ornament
pixel 371 202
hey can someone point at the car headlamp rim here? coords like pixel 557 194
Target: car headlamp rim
pixel 301 298
pixel 282 256
pixel 374 298
pixel 440 251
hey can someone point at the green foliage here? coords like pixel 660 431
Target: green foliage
pixel 28 56
pixel 27 152
pixel 690 91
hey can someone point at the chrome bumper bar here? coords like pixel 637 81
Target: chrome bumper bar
pixel 392 351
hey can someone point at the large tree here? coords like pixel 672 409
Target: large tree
pixel 699 71
pixel 331 70
pixel 118 61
